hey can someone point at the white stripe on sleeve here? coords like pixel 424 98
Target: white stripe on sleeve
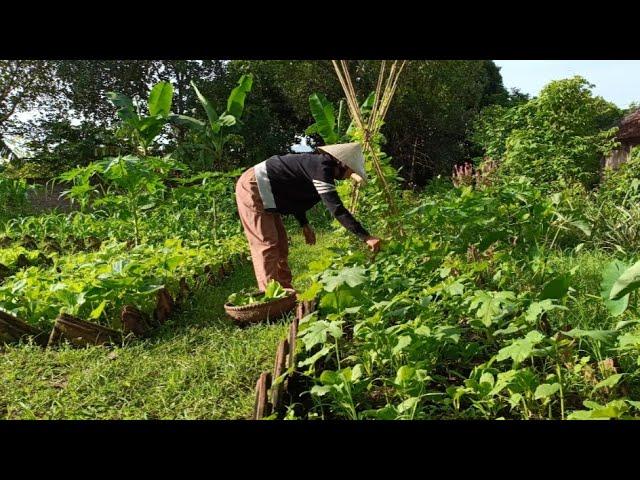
pixel 323 187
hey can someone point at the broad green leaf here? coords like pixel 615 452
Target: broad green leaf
pixel 604 336
pixel 582 226
pixel 386 413
pixel 447 333
pixel 487 377
pixel 160 99
pixel 522 348
pixel 235 102
pixel 150 128
pixel 323 113
pixel 556 288
pixel 629 340
pixel 352 276
pixel 634 404
pixel 626 283
pixel 346 375
pixel 335 329
pixel 515 399
pixel 310 293
pixel 126 109
pixel 404 374
pixel 582 415
pixel 610 275
pixel 491 305
pixel 316 333
pixel 408 404
pixel 545 390
pixel 96 312
pixel 312 129
pixel 227 120
pixel 318 266
pixel 504 380
pixel 537 308
pixel 403 341
pixel 367 105
pixel 320 390
pixel 187 121
pixel 455 288
pixel 609 381
pixel 623 323
pixel 339 300
pixel 329 377
pixel 173 262
pixel 613 409
pixel 423 330
pixel 211 113
pixel 315 357
pixel 356 373
pixel 270 288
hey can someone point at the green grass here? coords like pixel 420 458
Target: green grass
pixel 200 365
pixel 586 308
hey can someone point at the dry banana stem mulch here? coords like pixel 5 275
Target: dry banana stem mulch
pixel 135 322
pixel 273 393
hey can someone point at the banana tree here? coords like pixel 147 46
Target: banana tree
pixel 143 129
pixel 216 130
pixel 331 129
pixel 327 125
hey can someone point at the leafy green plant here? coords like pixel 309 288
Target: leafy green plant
pixel 559 135
pixel 333 129
pixel 326 124
pixel 273 291
pixel 13 197
pixel 96 285
pixel 468 317
pixel 133 185
pixel 143 129
pixel 622 185
pixel 215 132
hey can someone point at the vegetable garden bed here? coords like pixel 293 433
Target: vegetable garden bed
pixel 134 320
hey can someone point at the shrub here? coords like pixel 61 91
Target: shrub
pixel 559 136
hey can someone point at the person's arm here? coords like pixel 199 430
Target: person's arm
pixel 326 188
pixel 333 203
pixel 307 231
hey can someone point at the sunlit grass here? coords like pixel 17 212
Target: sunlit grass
pixel 200 365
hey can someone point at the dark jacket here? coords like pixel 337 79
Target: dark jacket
pixel 292 184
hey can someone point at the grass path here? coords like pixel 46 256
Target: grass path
pixel 198 366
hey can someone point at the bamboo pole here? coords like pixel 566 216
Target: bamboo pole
pixel 375 120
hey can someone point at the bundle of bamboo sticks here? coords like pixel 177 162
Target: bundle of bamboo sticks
pixel 371 127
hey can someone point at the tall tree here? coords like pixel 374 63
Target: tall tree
pixel 428 123
pixel 22 84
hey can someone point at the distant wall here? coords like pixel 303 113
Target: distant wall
pixel 617 157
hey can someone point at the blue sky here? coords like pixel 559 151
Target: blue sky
pixel 617 81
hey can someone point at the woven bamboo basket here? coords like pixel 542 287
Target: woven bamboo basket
pixel 260 312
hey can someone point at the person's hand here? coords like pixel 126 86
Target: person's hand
pixel 374 244
pixel 309 234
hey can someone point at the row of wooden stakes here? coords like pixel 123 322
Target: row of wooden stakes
pixel 272 392
pixel 135 323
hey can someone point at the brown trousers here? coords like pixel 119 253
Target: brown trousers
pixel 265 231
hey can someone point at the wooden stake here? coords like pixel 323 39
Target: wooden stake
pixel 375 120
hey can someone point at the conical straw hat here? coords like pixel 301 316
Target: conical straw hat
pixel 348 153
